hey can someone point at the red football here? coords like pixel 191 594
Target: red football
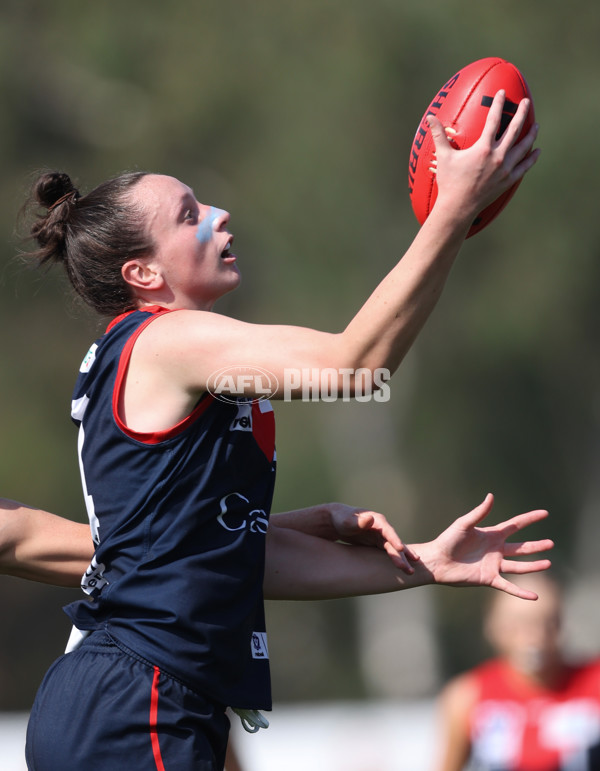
pixel 463 104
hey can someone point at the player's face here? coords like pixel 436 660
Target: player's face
pixel 527 633
pixel 193 244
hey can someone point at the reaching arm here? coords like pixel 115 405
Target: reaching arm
pixel 384 328
pixel 43 547
pixel 301 567
pixel 340 522
pixel 40 546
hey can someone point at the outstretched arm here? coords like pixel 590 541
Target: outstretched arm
pixel 340 522
pixel 301 567
pixel 44 547
pixel 40 546
pixel 383 329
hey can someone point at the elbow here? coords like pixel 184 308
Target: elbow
pixel 377 357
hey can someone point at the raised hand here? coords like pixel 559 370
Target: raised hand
pixel 468 555
pixel 472 178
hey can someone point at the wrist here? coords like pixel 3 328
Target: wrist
pixel 330 523
pixel 426 567
pixel 451 216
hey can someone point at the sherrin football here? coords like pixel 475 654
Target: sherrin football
pixel 463 104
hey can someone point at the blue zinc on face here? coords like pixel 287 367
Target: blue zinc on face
pixel 205 228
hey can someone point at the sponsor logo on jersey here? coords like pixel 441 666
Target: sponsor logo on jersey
pixel 89 359
pixel 93 579
pixel 243 419
pixel 235 516
pixel 259 645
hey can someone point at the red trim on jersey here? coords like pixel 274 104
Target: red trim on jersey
pixel 263 428
pixel 149 437
pixel 154 722
pixel 148 308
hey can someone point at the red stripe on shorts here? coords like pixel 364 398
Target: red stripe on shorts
pixel 154 721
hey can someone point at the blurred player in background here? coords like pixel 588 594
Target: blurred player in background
pixel 528 709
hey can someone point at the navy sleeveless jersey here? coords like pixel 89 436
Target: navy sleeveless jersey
pixel 179 521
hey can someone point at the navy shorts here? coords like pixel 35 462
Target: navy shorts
pixel 102 708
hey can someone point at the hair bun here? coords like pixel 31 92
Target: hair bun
pixel 53 188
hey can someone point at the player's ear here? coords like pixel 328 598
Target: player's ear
pixel 142 275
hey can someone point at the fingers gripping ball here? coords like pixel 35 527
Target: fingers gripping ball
pixel 462 106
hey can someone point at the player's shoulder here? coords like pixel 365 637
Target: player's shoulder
pixel 172 337
pixel 458 700
pixel 583 678
pixel 590 668
pixel 461 692
pixel 168 330
pixel 467 687
pixel 184 323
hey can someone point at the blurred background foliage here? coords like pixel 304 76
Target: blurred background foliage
pixel 298 118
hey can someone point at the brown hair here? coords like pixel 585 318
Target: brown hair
pixel 92 235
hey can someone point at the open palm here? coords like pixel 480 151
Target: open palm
pixel 468 555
